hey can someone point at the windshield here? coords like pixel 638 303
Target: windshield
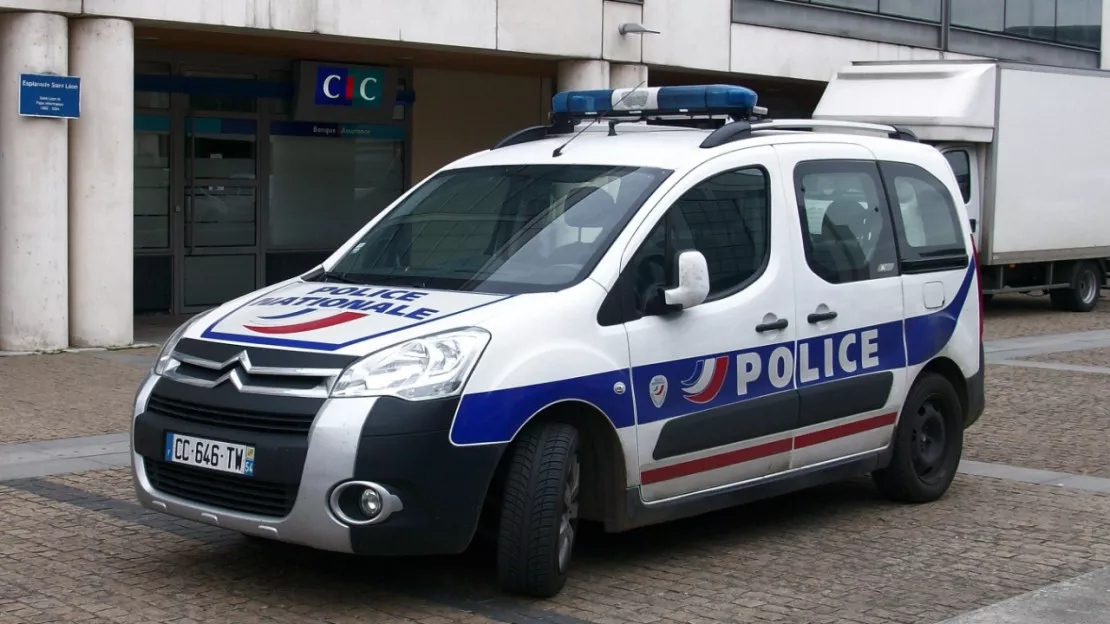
pixel 505 229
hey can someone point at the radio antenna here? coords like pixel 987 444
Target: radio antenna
pixel 559 150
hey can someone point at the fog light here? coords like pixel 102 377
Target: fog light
pixel 370 503
pixel 361 503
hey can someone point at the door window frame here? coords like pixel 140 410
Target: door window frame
pixel 853 165
pixel 910 260
pixel 619 306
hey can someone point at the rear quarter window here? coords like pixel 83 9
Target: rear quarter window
pixel 926 219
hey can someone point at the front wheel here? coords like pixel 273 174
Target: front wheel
pixel 928 443
pixel 539 511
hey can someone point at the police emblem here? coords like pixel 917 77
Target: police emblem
pixel 657 388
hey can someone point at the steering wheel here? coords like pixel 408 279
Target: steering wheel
pixel 651 272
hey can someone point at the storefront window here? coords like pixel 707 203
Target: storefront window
pixel 152 182
pixel 1079 22
pixel 1034 19
pixel 1073 22
pixel 328 180
pixel 152 99
pixel 217 93
pixel 221 149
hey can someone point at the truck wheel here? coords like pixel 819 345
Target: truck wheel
pixel 539 511
pixel 1084 291
pixel 928 443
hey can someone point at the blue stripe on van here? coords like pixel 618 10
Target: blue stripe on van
pixel 496 416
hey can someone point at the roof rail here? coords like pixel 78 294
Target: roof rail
pixel 739 130
pixel 534 133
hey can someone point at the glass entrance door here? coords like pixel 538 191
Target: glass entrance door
pixel 218 254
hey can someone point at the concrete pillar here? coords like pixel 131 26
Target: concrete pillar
pixel 33 188
pixel 627 75
pixel 101 184
pixel 582 75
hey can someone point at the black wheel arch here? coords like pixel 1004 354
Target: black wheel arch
pixel 604 476
pixel 947 368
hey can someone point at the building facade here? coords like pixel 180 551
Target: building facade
pixel 223 145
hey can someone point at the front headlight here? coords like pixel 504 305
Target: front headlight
pixel 425 368
pixel 166 354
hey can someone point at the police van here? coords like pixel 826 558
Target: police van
pixel 660 304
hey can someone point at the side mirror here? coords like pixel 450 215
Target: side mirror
pixel 693 281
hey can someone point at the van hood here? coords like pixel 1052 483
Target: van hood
pixel 332 317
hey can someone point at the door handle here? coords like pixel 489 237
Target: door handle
pixel 772 326
pixel 817 317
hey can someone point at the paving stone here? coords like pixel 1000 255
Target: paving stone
pixel 835 554
pixel 1087 357
pixel 1045 419
pixel 1013 315
pixel 67 395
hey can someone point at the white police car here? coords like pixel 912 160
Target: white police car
pixel 619 322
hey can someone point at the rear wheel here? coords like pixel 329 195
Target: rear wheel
pixel 928 443
pixel 1084 292
pixel 539 511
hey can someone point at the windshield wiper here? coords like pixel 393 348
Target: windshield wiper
pixel 339 277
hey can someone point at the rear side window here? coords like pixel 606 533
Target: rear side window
pixel 846 226
pixel 926 219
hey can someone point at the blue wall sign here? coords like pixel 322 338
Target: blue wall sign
pixel 45 95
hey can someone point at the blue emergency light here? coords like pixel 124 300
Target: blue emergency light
pixel 655 101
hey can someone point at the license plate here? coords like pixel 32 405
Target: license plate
pixel 211 454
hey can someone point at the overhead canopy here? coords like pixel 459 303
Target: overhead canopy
pixel 938 101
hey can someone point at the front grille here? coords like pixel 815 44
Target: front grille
pixel 225 491
pixel 240 419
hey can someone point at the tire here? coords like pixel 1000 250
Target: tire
pixel 539 511
pixel 1084 292
pixel 923 467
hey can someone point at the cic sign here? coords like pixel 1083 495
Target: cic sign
pixel 349 86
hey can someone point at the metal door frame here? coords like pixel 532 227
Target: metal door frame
pixel 181 167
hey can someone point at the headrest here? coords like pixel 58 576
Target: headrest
pixel 846 213
pixel 589 207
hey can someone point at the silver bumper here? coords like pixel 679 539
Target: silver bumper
pixel 333 444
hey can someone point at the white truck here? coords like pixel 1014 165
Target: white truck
pixel 1030 146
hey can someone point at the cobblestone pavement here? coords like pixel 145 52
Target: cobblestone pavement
pixel 1087 357
pixel 76 548
pixel 1009 316
pixel 45 397
pixel 1049 419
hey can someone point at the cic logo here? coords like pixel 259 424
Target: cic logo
pixel 342 86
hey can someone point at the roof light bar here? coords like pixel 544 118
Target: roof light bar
pixel 704 100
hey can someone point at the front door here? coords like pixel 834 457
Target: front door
pixel 218 221
pixel 850 365
pixel 713 391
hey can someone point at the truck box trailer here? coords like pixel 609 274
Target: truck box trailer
pixel 1030 146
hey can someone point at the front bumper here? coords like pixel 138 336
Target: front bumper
pixel 437 489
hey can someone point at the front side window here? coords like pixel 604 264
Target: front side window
pixel 503 229
pixel 726 218
pixel 846 227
